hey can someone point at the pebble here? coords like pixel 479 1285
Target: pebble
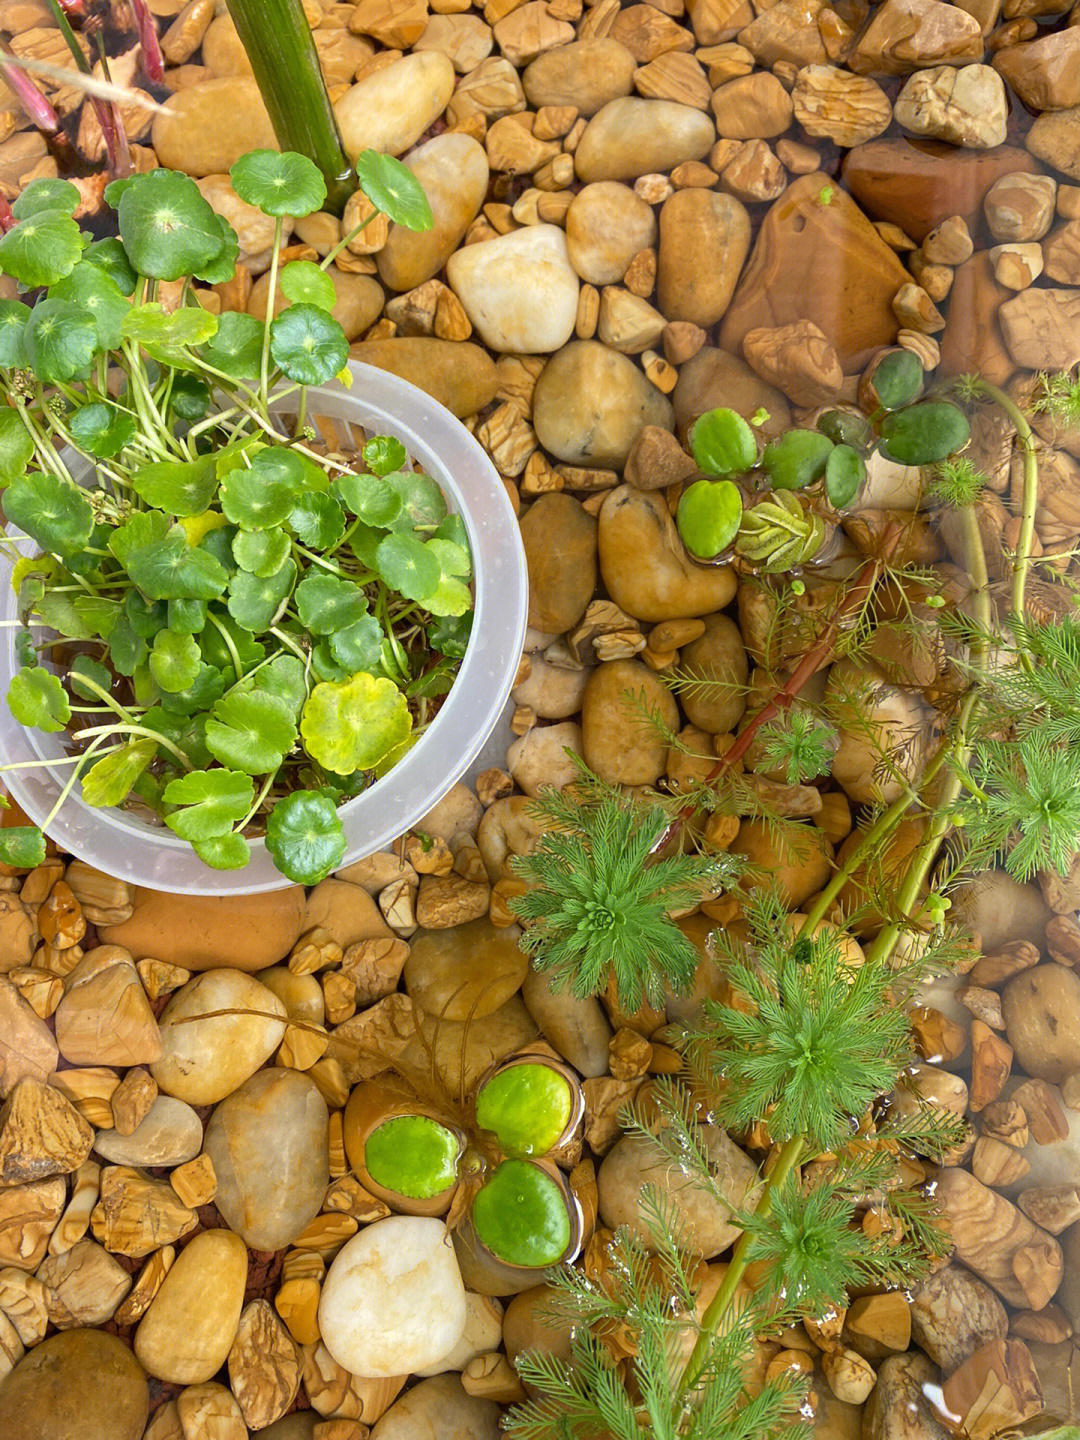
pixel 704 241
pixel 1000 909
pixel 1055 138
pixel 346 912
pixel 207 932
pixel 18 932
pixel 482 1334
pixel 301 995
pixel 815 230
pixel 459 809
pixel 965 107
pixel 953 1314
pixel 83 1285
pixel 189 1328
pixel 559 539
pixel 752 107
pixel 205 1060
pixel 712 377
pixel 465 1050
pixel 632 1164
pixel 907 35
pixel 576 1027
pixel 254 230
pixel 717 655
pixel 1041 1008
pixel 390 108
pixel 898 1407
pixel 440 1409
pixel 645 566
pixel 268 1143
pixel 587 74
pixel 1045 73
pixel 169 1134
pixel 797 871
pixel 590 403
pixel 453 171
pixel 1040 328
pixel 616 739
pixel 208 126
pixel 631 137
pixel 28 1217
pixel 539 757
pixel 977 344
pixel 105 1017
pixel 551 692
pixel 465 972
pixel 393 1300
pixel 41 1134
pixel 606 226
pixel 519 290
pixel 27 1046
pixel 457 374
pixel 79 1383
pixel 1020 207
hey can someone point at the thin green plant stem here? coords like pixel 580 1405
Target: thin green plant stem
pixel 721 1302
pixel 1022 558
pixel 329 259
pixel 271 296
pixel 146 733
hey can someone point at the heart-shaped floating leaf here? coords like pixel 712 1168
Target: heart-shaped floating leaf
pixel 305 284
pixel 708 517
pixel 924 434
pixel 36 698
pixel 844 475
pixel 383 454
pixel 262 552
pixel 223 852
pixel 236 349
pixel 326 603
pixel 13 317
pixel 16 444
pixel 408 566
pixel 110 257
pixel 109 780
pixel 358 646
pixel 87 673
pixel 213 801
pixel 372 499
pixel 527 1107
pixel 305 837
pixel 91 289
pixel 521 1216
pixel 394 189
pixel 257 602
pixel 722 443
pixel 22 846
pixel 412 1155
pixel 317 521
pixel 284 677
pixel 171 569
pixel 102 430
pixel 278 184
pixel 47 193
pixel 179 487
pixel 350 725
pixel 168 229
pixel 796 459
pixel 262 496
pixel 167 337
pixel 41 249
pixel 60 339
pixel 52 511
pixel 308 344
pixel 174 661
pixel 208 686
pixel 250 732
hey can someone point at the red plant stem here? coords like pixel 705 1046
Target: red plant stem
pixel 7 218
pixel 29 96
pixel 153 63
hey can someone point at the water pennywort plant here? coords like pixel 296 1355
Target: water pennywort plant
pixel 237 630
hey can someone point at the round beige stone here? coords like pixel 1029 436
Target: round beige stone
pixel 559 537
pixel 453 170
pixel 75 1385
pixel 618 744
pixel 1042 1020
pixel 391 108
pixel 457 374
pixel 468 971
pixel 207 127
pixel 206 1059
pixel 704 240
pixel 440 1409
pixel 186 1334
pixel 585 74
pixel 632 137
pixel 207 932
pixel 718 656
pixel 254 230
pixel 606 226
pixel 223 52
pixel 590 404
pixel 519 290
pixel 346 912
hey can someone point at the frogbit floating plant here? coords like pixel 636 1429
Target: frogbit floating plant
pixel 236 630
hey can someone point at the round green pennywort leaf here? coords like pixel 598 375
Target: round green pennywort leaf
pixel 305 837
pixel 408 566
pixel 110 257
pixel 251 732
pixel 22 845
pixel 212 800
pixel 84 668
pixel 257 602
pixel 109 780
pixel 326 603
pixel 278 184
pixel 317 521
pixel 527 1107
pixel 168 229
pixel 350 725
pixel 304 283
pixel 796 459
pixel 261 496
pixel 924 434
pixel 91 289
pixel 223 852
pixel 16 444
pixel 54 512
pixel 722 443
pixel 236 349
pixel 13 317
pixel 36 698
pixel 41 249
pixel 189 397
pixel 358 646
pixel 394 189
pixel 47 194
pixel 708 517
pixel 284 677
pixel 845 472
pixel 262 552
pixel 521 1216
pixel 412 1155
pixel 171 569
pixel 179 487
pixel 61 340
pixel 308 345
pixel 383 453
pixel 102 430
pixel 371 499
pixel 174 661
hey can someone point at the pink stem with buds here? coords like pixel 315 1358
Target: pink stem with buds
pixel 153 63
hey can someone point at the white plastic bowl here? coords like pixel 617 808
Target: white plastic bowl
pixel 143 854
